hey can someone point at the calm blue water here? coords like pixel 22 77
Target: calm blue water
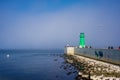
pixel 32 65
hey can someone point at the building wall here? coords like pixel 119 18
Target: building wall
pixel 69 50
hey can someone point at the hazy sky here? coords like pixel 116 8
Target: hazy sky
pixel 54 23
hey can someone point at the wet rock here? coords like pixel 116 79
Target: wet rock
pixel 61 66
pixel 55 59
pixel 79 77
pixel 65 68
pixel 56 76
pixel 74 72
pixel 69 73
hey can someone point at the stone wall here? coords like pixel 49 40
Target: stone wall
pixel 107 55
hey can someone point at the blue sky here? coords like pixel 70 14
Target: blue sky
pixel 41 24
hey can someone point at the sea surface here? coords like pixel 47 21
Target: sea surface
pixel 33 65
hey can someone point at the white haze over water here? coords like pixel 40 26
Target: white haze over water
pixel 55 28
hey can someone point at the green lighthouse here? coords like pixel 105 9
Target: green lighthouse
pixel 82 40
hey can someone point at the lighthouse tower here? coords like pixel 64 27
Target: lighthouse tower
pixel 82 40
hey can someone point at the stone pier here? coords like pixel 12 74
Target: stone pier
pixel 97 70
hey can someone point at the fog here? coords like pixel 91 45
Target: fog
pixel 40 27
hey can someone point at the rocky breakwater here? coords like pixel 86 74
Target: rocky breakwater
pixel 90 69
